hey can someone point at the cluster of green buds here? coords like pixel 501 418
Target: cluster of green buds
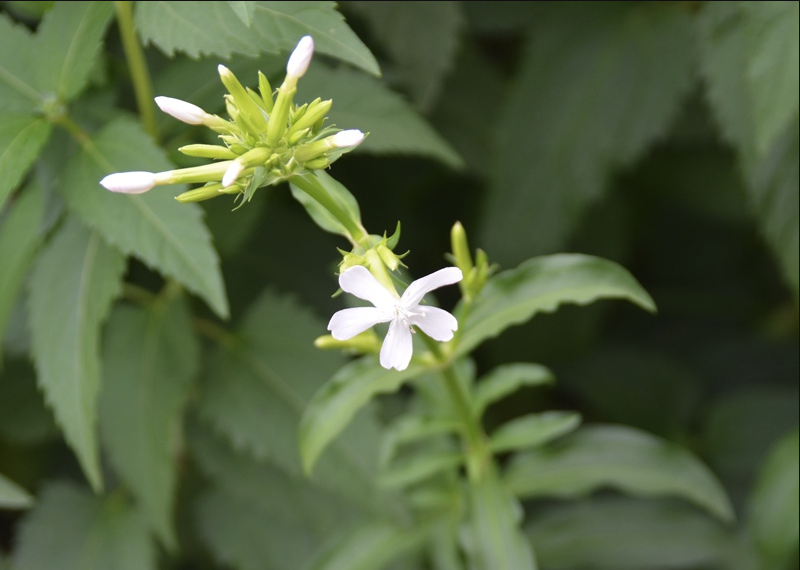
pixel 268 138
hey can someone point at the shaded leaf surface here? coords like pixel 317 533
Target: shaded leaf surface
pixel 12 496
pixel 21 139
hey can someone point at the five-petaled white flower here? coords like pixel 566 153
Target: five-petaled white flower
pixel 401 312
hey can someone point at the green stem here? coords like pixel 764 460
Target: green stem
pixel 140 76
pixel 309 184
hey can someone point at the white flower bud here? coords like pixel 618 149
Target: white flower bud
pixel 232 173
pixel 300 58
pixel 181 110
pixel 137 182
pixel 351 137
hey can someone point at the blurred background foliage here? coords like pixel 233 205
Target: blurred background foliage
pixel 660 135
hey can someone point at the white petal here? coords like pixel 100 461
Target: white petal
pixel 417 290
pixel 347 323
pixel 360 282
pixel 397 346
pixel 137 182
pixel 350 137
pixel 301 57
pixel 232 173
pixel 181 110
pixel 436 323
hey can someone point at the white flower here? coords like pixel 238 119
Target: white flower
pixel 181 110
pixel 300 58
pixel 350 137
pixel 401 312
pixel 137 182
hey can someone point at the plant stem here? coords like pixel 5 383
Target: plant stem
pixel 140 76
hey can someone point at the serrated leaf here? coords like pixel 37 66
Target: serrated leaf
pixel 492 536
pixel 532 430
pixel 21 139
pixel 244 10
pixel 597 85
pixel 615 533
pixel 18 92
pixel 775 502
pixel 335 404
pixel 20 235
pixel 70 529
pixel 542 284
pixel 506 379
pixel 621 457
pixel 73 284
pixel 166 235
pixel 365 103
pixel 151 358
pixel 370 547
pixel 421 38
pixel 68 41
pixel 772 72
pixel 12 496
pixel 261 381
pixel 214 28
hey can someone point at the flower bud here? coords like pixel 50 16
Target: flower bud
pixel 181 110
pixel 208 151
pixel 300 58
pixel 242 100
pixel 137 182
pixel 348 138
pixel 233 172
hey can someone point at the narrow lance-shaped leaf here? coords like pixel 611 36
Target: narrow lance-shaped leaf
pixel 166 235
pixel 71 529
pixel 542 284
pixel 533 430
pixel 18 92
pixel 74 282
pixel 21 139
pixel 619 457
pixel 150 360
pixel 333 190
pixel 506 379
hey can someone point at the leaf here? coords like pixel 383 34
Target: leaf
pixel 616 533
pixel 244 10
pixel 533 430
pixel 336 192
pixel 20 236
pixel 421 38
pixel 12 496
pixel 21 139
pixel 620 457
pixel 18 92
pixel 71 529
pixel 492 537
pixel 68 41
pixel 151 358
pixel 541 284
pixel 775 502
pixel 215 29
pixel 772 61
pixel 261 382
pixel 506 379
pixel 419 467
pixel 73 284
pixel 370 547
pixel 168 236
pixel 24 420
pixel 335 404
pixel 365 103
pixel 598 83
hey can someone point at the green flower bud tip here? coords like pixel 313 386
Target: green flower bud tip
pixel 137 182
pixel 300 58
pixel 181 110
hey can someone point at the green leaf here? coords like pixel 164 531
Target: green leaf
pixel 418 467
pixel 244 10
pixel 542 284
pixel 365 103
pixel 775 502
pixel 620 457
pixel 12 496
pixel 20 235
pixel 165 234
pixel 68 41
pixel 24 420
pixel 335 404
pixel 71 529
pixel 506 379
pixel 413 428
pixel 261 382
pixel 533 430
pixel 151 358
pixel 616 533
pixel 214 28
pixel 18 92
pixel 73 284
pixel 598 83
pixel 370 547
pixel 492 537
pixel 21 139
pixel 772 66
pixel 421 38
pixel 337 193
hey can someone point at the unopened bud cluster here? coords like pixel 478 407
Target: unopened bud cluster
pixel 267 139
